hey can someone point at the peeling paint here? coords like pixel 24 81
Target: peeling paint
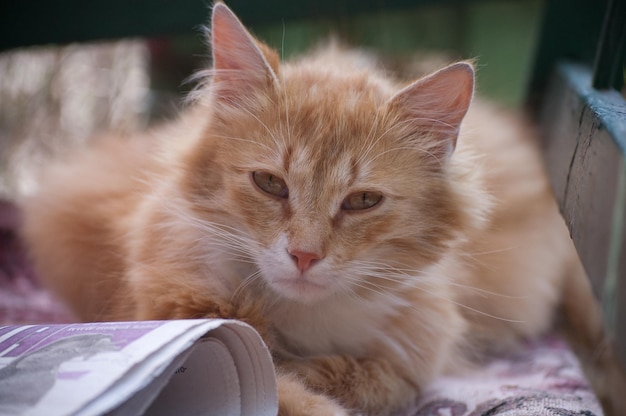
pixel 608 106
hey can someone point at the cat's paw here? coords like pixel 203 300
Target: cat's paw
pixel 294 399
pixel 319 406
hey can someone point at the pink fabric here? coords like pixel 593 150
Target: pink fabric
pixel 22 299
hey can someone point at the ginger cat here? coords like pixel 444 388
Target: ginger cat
pixel 377 235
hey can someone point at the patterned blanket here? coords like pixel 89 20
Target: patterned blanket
pixel 541 379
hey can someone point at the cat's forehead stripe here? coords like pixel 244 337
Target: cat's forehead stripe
pixel 301 158
pixel 347 170
pixel 339 168
pixel 288 152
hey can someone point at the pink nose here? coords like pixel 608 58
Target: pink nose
pixel 304 260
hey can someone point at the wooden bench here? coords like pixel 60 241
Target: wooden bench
pixel 578 77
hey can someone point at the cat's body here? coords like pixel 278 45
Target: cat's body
pixel 330 208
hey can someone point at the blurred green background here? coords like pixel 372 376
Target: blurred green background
pixel 499 34
pixel 57 96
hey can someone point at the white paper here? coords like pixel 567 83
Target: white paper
pixel 208 367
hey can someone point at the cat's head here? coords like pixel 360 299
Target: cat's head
pixel 338 180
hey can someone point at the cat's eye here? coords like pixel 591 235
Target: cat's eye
pixel 270 184
pixel 359 201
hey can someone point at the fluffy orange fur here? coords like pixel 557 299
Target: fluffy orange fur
pixel 377 235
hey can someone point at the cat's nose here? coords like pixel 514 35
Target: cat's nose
pixel 303 259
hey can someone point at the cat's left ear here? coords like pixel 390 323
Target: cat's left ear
pixel 241 63
pixel 434 107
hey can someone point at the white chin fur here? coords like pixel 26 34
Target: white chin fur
pixel 299 289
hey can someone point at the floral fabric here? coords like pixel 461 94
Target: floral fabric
pixel 543 378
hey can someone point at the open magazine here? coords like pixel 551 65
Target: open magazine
pixel 182 367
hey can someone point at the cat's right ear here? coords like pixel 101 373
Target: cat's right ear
pixel 241 64
pixel 435 106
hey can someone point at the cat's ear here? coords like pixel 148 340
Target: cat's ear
pixel 435 105
pixel 241 64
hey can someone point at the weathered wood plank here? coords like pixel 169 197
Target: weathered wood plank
pixel 584 134
pixel 617 264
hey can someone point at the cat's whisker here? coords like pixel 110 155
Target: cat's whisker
pixel 220 253
pixel 382 136
pixel 386 292
pixel 204 83
pixel 357 282
pixel 221 238
pixel 289 134
pixel 402 277
pixel 496 251
pixel 269 131
pixel 398 300
pixel 238 251
pixel 369 140
pixel 365 154
pixel 370 134
pixel 245 283
pixel 274 300
pixel 400 148
pixel 433 122
pixel 370 265
pixel 278 143
pixel 484 292
pixel 410 277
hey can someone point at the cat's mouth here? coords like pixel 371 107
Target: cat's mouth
pixel 301 289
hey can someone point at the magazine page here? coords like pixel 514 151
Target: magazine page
pixel 153 367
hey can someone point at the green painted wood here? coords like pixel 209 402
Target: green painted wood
pixel 609 65
pixel 570 31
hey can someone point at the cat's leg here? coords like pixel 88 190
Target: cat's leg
pixel 146 310
pixel 294 399
pixel 371 386
pixel 157 296
pixel 585 331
